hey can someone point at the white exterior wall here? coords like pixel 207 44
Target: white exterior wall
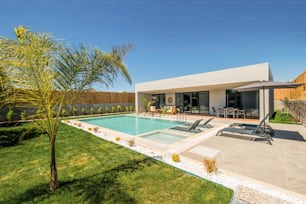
pixel 216 99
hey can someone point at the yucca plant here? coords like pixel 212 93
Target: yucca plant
pixel 92 110
pixel 118 108
pixel 48 76
pixel 23 115
pixel 83 111
pixel 74 111
pixel 99 111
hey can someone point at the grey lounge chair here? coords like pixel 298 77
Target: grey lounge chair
pixel 252 133
pixel 265 127
pixel 206 124
pixel 192 128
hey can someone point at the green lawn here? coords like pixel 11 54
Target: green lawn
pixel 284 118
pixel 92 170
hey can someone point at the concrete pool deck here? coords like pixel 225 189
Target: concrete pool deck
pixel 280 166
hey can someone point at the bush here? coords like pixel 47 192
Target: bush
pixel 118 108
pixel 210 165
pixel 63 112
pixel 92 110
pixel 118 138
pixel 175 157
pixel 131 142
pixel 99 111
pixel 74 111
pixel 106 109
pixel 10 115
pixel 113 109
pixel 126 108
pixel 23 115
pixel 83 111
pixel 131 108
pixel 90 129
pixel 96 129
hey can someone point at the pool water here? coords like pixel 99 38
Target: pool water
pixel 132 125
pixel 163 137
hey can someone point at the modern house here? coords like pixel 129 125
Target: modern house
pixel 198 93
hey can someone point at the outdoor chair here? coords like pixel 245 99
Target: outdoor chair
pixel 230 111
pixel 253 133
pixel 191 128
pixel 221 111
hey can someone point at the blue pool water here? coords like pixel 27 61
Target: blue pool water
pixel 132 125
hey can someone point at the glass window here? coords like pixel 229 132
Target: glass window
pixel 159 100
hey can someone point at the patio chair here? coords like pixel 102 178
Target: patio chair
pixel 265 127
pixel 221 111
pixel 191 128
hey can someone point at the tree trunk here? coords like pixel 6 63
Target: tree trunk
pixel 53 181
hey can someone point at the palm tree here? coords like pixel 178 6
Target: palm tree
pixel 48 76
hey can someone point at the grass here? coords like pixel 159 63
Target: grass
pixel 92 170
pixel 284 118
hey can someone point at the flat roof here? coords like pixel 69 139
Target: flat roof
pixel 220 79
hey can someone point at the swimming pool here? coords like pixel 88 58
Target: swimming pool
pixel 132 125
pixel 164 137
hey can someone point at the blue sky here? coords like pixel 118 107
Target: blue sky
pixel 174 38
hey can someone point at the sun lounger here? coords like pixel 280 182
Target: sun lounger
pixel 253 133
pixel 192 128
pixel 265 127
pixel 204 125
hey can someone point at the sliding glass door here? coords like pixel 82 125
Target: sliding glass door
pixel 193 102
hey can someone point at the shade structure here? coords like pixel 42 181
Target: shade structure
pixel 266 85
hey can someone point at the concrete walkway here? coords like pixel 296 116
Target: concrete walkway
pixel 282 164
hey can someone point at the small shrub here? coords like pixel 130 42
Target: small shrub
pixel 79 125
pixel 75 124
pixel 118 138
pixel 210 165
pixel 74 111
pixel 90 129
pixel 9 115
pixel 175 157
pixel 96 129
pixel 23 115
pixel 106 109
pixel 118 108
pixel 126 108
pixel 83 111
pixel 92 110
pixel 131 142
pixel 99 111
pixel 63 112
pixel 113 109
pixel 131 109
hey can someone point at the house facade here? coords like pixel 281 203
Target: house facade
pixel 199 93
